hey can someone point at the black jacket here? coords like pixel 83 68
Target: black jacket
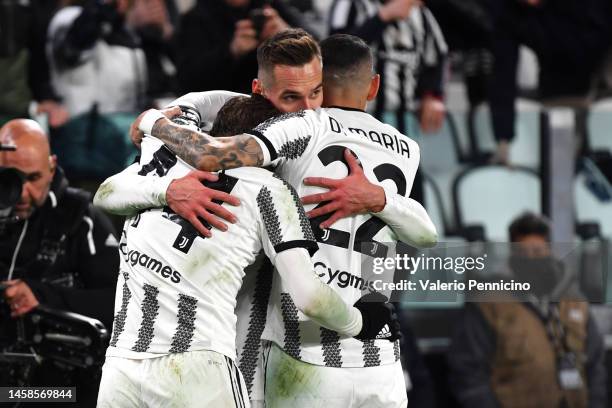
pixel 68 256
pixel 203 43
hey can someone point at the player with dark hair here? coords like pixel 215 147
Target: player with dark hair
pixel 174 334
pixel 305 146
pixel 241 114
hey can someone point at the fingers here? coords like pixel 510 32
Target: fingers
pixel 321 182
pixel 222 212
pixel 335 217
pixel 225 197
pixel 326 209
pixel 203 175
pixel 197 224
pixel 318 197
pixel 212 220
pixel 353 162
pixel 172 112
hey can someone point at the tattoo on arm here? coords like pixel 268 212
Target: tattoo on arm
pixel 204 152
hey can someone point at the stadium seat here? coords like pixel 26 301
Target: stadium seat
pixel 440 149
pixel 490 197
pixel 599 125
pixel 434 205
pixel 525 148
pixel 590 209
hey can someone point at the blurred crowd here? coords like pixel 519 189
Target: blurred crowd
pixel 85 69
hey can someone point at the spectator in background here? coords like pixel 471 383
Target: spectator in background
pixel 534 353
pixel 217 42
pixel 570 39
pixel 99 68
pixel 155 22
pixel 24 68
pixel 410 56
pixel 410 50
pixel 95 58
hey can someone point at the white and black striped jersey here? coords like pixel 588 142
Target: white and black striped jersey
pixel 177 290
pixel 410 54
pixel 311 144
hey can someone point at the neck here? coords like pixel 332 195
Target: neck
pixel 344 98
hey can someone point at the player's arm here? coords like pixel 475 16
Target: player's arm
pixel 199 149
pixel 312 297
pixel 408 220
pixel 320 303
pixel 126 192
pixel 131 191
pixel 206 104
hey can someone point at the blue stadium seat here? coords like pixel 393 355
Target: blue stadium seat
pixel 590 209
pixel 492 196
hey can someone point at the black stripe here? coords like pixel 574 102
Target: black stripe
pixel 150 310
pixel 269 145
pixel 229 371
pixel 292 326
pixel 269 216
pixel 239 383
pixel 311 246
pixel 257 322
pixel 330 343
pixel 295 148
pixel 122 313
pixel 186 324
pixel 396 350
pixel 371 354
pixel 304 221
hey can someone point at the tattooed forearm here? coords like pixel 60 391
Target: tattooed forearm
pixel 204 152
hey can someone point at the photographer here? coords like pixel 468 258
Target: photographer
pixel 56 250
pixel 217 41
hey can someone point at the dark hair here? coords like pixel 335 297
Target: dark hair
pixel 241 114
pixel 529 224
pixel 344 56
pixel 293 47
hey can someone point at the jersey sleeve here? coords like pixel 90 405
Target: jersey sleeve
pixel 282 220
pixel 207 104
pixel 286 136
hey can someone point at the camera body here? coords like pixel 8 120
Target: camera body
pixel 11 183
pixel 258 18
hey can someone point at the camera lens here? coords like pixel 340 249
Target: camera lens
pixel 11 181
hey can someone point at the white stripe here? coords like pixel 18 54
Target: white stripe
pixel 90 240
pixel 435 28
pixel 231 377
pixel 340 14
pixel 53 199
pixel 264 149
pixel 17 248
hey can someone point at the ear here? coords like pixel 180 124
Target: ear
pixel 257 87
pixel 52 163
pixel 374 85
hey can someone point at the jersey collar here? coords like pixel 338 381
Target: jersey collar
pixel 345 108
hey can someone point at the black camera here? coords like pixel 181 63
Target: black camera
pixel 258 18
pixel 11 182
